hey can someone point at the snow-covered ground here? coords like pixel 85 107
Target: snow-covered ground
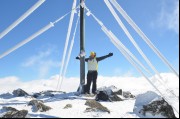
pixel 139 87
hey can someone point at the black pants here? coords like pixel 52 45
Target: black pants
pixel 91 77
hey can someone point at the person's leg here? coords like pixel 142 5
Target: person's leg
pixel 95 74
pixel 88 85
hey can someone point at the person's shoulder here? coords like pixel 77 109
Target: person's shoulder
pixel 97 58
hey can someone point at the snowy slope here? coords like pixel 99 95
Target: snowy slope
pixel 139 87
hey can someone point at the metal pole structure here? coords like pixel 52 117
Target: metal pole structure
pixel 82 49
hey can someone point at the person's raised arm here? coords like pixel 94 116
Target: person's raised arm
pixel 78 57
pixel 86 59
pixel 104 57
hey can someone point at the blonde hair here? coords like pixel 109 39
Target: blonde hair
pixel 92 53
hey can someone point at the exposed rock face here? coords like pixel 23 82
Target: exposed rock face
pixel 95 106
pixel 9 109
pixel 68 106
pixel 20 92
pixel 39 106
pixel 102 95
pixel 128 95
pixel 48 93
pixel 158 107
pixel 36 95
pixel 33 102
pixel 119 92
pixel 6 95
pixel 14 113
pixel 107 96
pixel 114 97
pixel 111 94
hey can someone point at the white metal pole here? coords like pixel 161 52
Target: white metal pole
pixel 26 14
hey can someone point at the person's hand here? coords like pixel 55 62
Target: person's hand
pixel 110 54
pixel 77 57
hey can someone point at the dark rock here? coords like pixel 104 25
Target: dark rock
pixel 48 93
pixel 90 110
pixel 119 92
pixel 36 95
pixel 9 109
pixel 33 102
pixel 102 95
pixel 39 106
pixel 68 106
pixel 94 105
pixel 115 98
pixel 158 107
pixel 107 96
pixel 15 114
pixel 128 95
pixel 20 92
pixel 6 95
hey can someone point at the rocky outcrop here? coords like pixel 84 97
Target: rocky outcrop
pixel 68 106
pixel 112 94
pixel 9 109
pixel 20 92
pixel 36 95
pixel 95 106
pixel 14 113
pixel 104 96
pixel 39 106
pixel 48 93
pixel 118 92
pixel 128 95
pixel 158 107
pixel 6 95
pixel 114 97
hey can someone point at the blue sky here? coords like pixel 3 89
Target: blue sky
pixel 41 58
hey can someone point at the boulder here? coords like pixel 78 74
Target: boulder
pixel 95 106
pixel 119 92
pixel 158 107
pixel 36 95
pixel 39 106
pixel 48 93
pixel 102 95
pixel 14 113
pixel 9 109
pixel 128 94
pixel 107 95
pixel 68 106
pixel 114 97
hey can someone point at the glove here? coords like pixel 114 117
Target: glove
pixel 77 57
pixel 110 54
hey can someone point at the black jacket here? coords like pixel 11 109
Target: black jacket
pixel 98 58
